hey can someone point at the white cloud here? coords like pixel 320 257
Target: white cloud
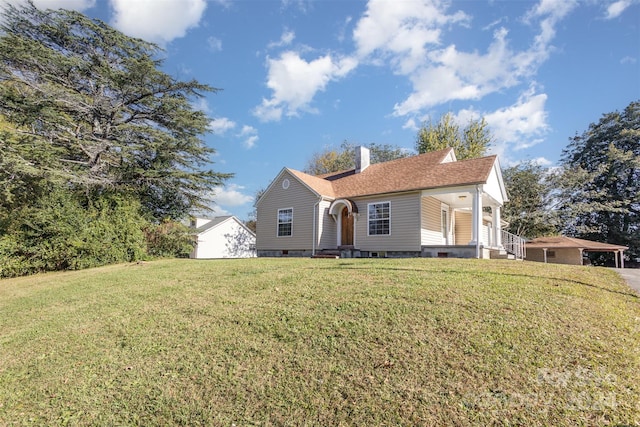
pixel 400 31
pixel 616 8
pixel 231 196
pixel 295 81
pixel 249 135
pixel 157 21
pixel 521 125
pixel 221 125
pixel 408 36
pixel 628 60
pixel 456 75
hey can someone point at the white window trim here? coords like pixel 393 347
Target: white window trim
pixel 369 219
pixel 278 222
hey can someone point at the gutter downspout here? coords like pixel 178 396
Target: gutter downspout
pixel 315 226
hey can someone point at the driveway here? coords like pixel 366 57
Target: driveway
pixel 632 277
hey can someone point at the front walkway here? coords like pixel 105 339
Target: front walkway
pixel 631 276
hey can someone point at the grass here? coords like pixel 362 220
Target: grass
pixel 321 342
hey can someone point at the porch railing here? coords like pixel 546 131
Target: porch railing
pixel 513 244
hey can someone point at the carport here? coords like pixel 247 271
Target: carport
pixel 569 250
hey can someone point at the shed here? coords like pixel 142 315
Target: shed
pixel 223 237
pixel 569 250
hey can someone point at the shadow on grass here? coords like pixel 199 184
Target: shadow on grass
pixel 353 266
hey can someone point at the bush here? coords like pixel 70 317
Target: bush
pixel 58 232
pixel 169 239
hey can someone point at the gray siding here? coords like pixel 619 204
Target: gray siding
pixel 431 227
pixel 327 239
pixel 405 224
pixel 302 200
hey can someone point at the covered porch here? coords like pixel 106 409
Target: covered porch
pixel 466 222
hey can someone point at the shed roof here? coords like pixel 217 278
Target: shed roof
pixel 559 242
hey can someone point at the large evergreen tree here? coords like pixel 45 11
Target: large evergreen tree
pixel 83 104
pixel 599 186
pixel 470 142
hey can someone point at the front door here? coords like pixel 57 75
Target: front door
pixel 346 226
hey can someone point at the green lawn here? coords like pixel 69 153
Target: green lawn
pixel 321 342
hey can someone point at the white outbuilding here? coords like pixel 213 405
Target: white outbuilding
pixel 223 237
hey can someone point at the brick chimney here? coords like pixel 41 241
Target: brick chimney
pixel 362 159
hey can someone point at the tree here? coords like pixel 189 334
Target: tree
pixel 331 160
pixel 528 211
pixel 599 184
pixel 89 107
pixel 468 143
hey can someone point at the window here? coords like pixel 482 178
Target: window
pixel 379 216
pixel 285 222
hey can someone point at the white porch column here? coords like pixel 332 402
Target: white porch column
pixel 497 227
pixel 545 254
pixel 476 220
pixel 621 259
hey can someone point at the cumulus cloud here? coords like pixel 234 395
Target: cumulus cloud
pixel 616 8
pixel 407 36
pixel 249 135
pixel 295 81
pixel 401 31
pixel 522 124
pixel 447 74
pixel 221 125
pixel 157 21
pixel 231 196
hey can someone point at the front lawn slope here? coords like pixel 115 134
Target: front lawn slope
pixel 321 342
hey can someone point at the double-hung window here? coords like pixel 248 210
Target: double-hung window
pixel 379 218
pixel 285 222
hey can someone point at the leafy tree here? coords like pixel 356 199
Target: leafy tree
pixel 331 160
pixel 88 106
pixel 529 208
pixel 599 185
pixel 468 143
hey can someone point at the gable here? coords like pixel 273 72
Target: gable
pixel 300 184
pixel 217 222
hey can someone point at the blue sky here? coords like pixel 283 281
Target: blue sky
pixel 300 76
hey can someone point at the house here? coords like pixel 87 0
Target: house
pixel 568 250
pixel 429 205
pixel 222 237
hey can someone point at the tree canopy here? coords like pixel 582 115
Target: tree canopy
pixel 528 210
pixel 331 160
pixel 598 187
pixel 101 152
pixel 83 104
pixel 470 142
